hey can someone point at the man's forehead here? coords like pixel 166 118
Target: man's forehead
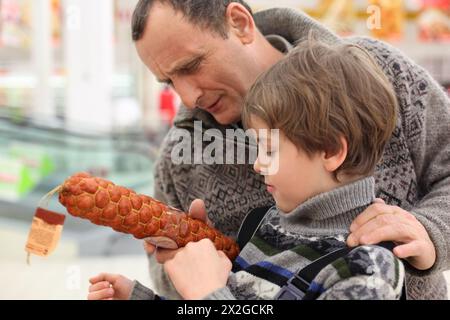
pixel 171 29
pixel 173 59
pixel 170 40
pixel 170 51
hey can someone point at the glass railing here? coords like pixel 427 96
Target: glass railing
pixel 36 156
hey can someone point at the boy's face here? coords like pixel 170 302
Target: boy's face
pixel 298 178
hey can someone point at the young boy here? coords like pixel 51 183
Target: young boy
pixel 335 111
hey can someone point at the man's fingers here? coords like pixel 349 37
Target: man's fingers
pixel 420 254
pixel 370 226
pixel 397 232
pixel 379 200
pixel 407 250
pixel 406 226
pixel 99 286
pixel 371 212
pixel 162 255
pixel 197 210
pixel 102 294
pixel 149 248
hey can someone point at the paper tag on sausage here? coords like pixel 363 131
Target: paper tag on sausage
pixel 45 232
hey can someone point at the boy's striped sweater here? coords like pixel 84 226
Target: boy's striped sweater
pixel 285 243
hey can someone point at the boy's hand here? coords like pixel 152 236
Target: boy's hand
pixel 381 222
pixel 196 210
pixel 198 269
pixel 107 286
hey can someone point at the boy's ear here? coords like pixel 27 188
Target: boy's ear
pixel 332 161
pixel 240 22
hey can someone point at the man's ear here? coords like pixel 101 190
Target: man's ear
pixel 240 22
pixel 333 161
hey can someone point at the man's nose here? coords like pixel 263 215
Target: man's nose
pixel 188 91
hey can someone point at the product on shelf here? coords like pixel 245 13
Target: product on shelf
pixel 103 203
pixel 434 21
pixel 15 179
pixel 22 167
pixel 392 16
pixel 15 18
pixel 338 15
pixel 56 24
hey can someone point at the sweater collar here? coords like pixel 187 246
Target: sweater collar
pixel 279 43
pixel 328 205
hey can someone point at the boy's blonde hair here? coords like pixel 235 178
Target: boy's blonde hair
pixel 320 93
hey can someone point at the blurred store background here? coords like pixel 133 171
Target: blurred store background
pixel 75 97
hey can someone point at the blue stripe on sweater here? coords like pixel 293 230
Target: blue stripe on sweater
pixel 241 262
pixel 266 265
pixel 276 269
pixel 316 287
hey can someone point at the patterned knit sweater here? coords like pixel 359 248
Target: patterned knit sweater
pixel 286 243
pixel 414 173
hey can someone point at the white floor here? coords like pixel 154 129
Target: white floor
pixel 65 274
pixel 50 280
pixel 56 280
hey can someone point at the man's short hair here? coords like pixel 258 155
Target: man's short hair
pixel 208 14
pixel 319 93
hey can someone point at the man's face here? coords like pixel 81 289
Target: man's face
pixel 207 71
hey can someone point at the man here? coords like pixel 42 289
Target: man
pixel 212 51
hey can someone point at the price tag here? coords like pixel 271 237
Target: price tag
pixel 45 232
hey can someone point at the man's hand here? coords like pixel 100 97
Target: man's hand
pixel 107 286
pixel 198 269
pixel 381 222
pixel 196 210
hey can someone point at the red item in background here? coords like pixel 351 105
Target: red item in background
pixel 167 108
pixel 441 4
pixel 434 21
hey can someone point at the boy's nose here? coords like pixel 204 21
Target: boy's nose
pixel 256 166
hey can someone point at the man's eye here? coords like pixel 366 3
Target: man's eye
pixel 191 68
